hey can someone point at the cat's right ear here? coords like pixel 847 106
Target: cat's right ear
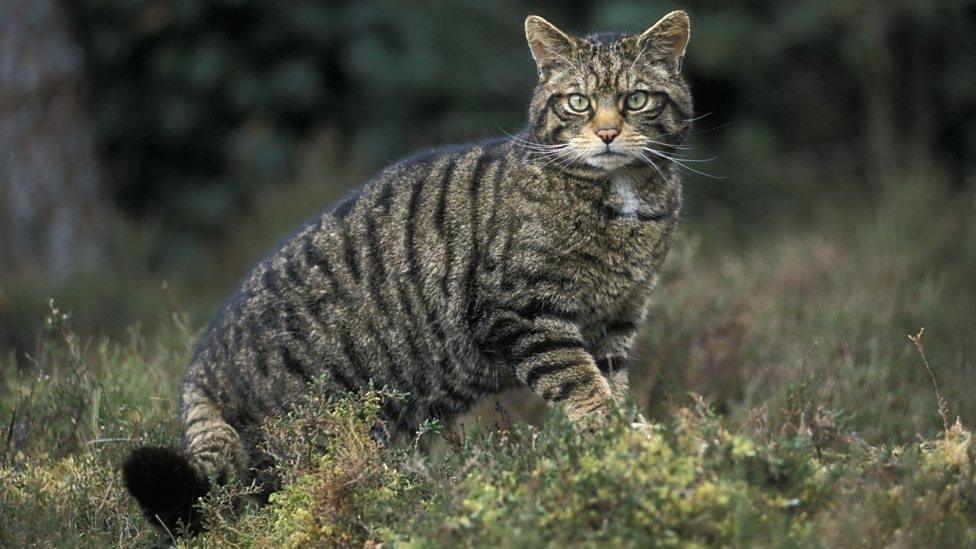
pixel 548 44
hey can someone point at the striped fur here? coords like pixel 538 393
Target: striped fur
pixel 463 271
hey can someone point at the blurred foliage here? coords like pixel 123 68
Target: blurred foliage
pixel 198 102
pixel 828 309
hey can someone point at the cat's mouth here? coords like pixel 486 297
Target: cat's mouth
pixel 609 159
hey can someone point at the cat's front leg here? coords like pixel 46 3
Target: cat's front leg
pixel 611 350
pixel 548 354
pixel 563 375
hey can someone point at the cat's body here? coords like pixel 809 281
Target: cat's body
pixel 455 274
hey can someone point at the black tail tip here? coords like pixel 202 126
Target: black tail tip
pixel 166 486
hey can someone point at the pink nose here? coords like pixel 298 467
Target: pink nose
pixel 607 134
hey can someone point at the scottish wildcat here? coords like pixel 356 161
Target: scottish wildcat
pixel 456 273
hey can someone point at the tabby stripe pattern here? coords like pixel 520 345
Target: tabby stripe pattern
pixel 464 271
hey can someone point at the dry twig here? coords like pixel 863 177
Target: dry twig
pixel 943 405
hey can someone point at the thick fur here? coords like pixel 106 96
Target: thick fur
pixel 166 486
pixel 461 272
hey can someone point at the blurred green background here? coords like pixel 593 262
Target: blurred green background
pixel 177 140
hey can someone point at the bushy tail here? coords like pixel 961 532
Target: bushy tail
pixel 167 487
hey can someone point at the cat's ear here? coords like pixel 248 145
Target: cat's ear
pixel 549 45
pixel 669 36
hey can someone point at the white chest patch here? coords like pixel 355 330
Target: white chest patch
pixel 630 203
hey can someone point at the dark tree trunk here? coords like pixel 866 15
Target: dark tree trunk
pixel 51 208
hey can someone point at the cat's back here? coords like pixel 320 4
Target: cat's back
pixel 369 291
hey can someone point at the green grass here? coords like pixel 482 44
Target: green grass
pixel 789 408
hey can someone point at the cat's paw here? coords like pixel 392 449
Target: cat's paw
pixel 642 426
pixel 590 422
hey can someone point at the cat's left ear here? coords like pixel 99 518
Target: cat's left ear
pixel 669 36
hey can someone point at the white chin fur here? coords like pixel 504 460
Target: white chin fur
pixel 608 162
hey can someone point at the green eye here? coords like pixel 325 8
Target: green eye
pixel 636 100
pixel 578 103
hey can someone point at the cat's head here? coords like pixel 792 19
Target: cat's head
pixel 603 100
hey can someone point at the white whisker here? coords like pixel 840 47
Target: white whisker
pixel 699 132
pixel 698 117
pixel 535 146
pixel 643 158
pixel 680 163
pixel 682 158
pixel 560 155
pixel 673 146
